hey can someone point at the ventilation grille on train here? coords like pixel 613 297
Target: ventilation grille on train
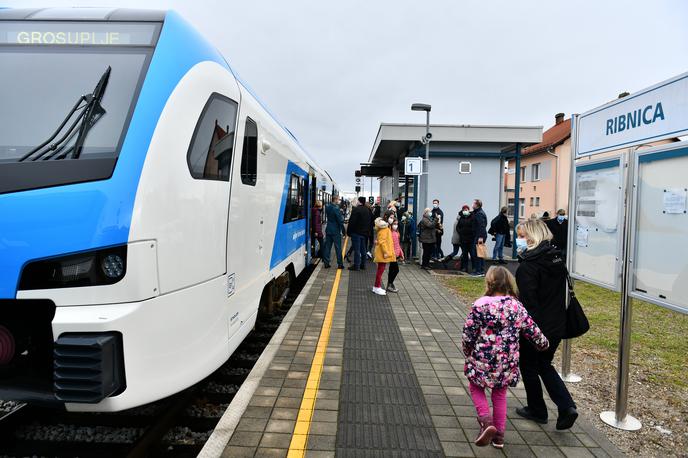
pixel 88 367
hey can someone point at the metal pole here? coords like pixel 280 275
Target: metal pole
pixel 517 196
pixel 427 159
pixel 620 418
pixel 566 374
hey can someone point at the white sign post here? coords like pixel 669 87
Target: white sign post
pixel 413 166
pixel 657 113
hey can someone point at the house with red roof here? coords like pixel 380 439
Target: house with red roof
pixel 544 172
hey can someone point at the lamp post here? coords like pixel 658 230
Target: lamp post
pixel 426 140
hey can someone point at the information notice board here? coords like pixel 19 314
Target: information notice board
pixel 659 249
pixel 598 208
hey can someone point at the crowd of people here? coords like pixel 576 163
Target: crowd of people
pixel 468 237
pixel 513 331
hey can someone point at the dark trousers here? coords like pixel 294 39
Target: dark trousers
pixel 466 252
pixel 319 252
pixel 359 242
pixel 336 240
pixel 455 251
pixel 406 248
pixel 536 365
pixel 478 262
pixel 427 253
pixel 438 247
pixel 393 272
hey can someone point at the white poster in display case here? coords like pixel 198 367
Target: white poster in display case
pixel 659 248
pixel 596 247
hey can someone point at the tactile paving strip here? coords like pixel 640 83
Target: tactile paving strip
pixel 382 411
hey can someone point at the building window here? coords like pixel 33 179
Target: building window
pixel 535 172
pixel 210 152
pixel 521 208
pixel 523 174
pixel 249 154
pixel 537 201
pixel 294 209
pixel 464 167
pixel 532 201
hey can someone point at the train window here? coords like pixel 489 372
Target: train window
pixel 212 145
pixel 249 155
pixel 295 208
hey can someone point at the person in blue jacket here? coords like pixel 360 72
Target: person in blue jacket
pixel 333 233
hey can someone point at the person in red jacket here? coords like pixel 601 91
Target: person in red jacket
pixel 316 227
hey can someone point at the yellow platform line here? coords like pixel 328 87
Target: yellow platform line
pixel 299 440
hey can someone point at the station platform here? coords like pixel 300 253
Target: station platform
pixel 361 375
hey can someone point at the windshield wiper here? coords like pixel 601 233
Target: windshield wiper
pixel 90 113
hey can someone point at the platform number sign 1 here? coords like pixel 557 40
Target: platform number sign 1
pixel 413 166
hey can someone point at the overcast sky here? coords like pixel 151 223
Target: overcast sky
pixel 332 71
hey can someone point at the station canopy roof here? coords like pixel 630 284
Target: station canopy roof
pixel 396 141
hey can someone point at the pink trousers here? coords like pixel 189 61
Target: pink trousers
pixel 498 405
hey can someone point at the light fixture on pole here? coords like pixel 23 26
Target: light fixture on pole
pixel 425 140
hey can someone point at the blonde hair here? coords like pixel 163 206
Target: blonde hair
pixel 499 280
pixel 318 204
pixel 535 232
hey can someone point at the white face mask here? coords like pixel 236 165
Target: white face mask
pixel 435 205
pixel 521 245
pixel 390 220
pixel 465 213
pixel 403 218
pixel 395 226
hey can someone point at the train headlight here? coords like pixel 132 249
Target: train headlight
pixel 113 266
pixel 93 268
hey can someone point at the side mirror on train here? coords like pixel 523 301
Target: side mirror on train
pixel 265 146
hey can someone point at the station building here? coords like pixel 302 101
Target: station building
pixel 466 162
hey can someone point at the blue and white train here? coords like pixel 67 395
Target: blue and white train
pixel 150 206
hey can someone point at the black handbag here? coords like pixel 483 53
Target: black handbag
pixel 577 323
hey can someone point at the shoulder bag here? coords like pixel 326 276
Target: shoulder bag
pixel 577 323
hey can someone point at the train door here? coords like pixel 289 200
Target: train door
pixel 245 237
pixel 313 196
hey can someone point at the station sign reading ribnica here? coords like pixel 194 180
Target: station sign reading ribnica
pixel 656 113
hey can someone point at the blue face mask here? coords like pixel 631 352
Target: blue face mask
pixel 561 218
pixel 521 245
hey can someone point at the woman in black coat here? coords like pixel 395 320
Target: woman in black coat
pixel 541 280
pixel 466 237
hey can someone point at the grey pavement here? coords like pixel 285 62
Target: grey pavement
pixel 429 320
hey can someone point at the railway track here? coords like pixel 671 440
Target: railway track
pixel 177 426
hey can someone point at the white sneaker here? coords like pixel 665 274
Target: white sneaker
pixel 379 291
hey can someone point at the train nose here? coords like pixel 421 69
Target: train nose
pixel 7 346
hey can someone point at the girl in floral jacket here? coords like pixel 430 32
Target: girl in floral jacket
pixel 490 343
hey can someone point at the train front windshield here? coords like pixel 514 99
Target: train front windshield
pixel 68 91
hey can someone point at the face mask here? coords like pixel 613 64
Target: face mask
pixel 561 218
pixel 395 226
pixel 435 205
pixel 465 213
pixel 521 245
pixel 390 220
pixel 403 218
